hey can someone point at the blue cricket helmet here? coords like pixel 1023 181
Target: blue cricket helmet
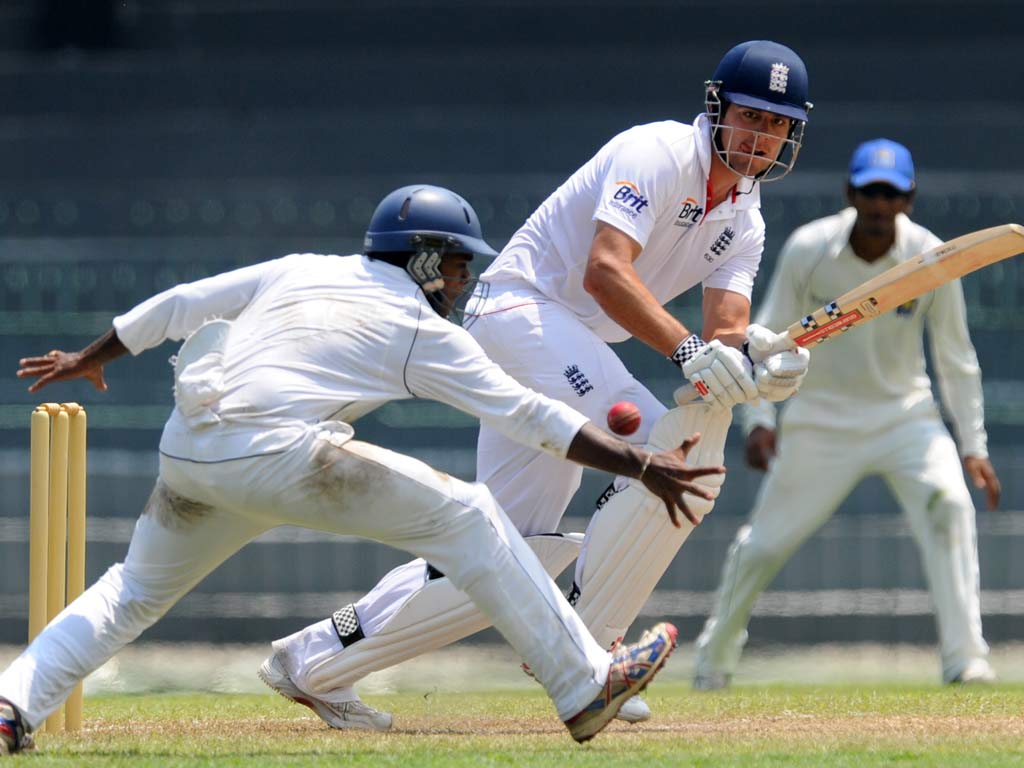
pixel 414 228
pixel 411 215
pixel 765 75
pixel 768 77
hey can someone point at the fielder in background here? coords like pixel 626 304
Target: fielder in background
pixel 260 436
pixel 661 209
pixel 865 409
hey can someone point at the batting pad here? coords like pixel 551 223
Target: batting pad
pixel 631 541
pixel 434 616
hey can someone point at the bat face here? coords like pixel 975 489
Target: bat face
pixel 909 280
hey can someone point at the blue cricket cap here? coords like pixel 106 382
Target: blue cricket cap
pixel 882 161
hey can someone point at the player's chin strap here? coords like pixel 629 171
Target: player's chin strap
pixel 631 541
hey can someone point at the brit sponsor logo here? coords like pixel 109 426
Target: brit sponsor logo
pixel 690 212
pixel 628 200
pixel 720 245
pixel 778 79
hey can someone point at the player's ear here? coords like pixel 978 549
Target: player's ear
pixel 849 193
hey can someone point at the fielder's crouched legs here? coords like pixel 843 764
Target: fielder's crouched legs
pixel 325 659
pixel 631 541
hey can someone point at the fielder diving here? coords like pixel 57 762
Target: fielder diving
pixel 660 209
pixel 260 436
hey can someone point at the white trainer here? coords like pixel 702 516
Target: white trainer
pixel 348 715
pixel 635 710
pixel 977 671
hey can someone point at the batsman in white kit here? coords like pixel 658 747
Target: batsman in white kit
pixel 865 409
pixel 260 436
pixel 660 209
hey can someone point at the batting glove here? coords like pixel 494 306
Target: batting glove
pixel 723 375
pixel 781 366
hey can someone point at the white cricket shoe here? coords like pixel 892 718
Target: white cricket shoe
pixel 635 710
pixel 977 671
pixel 348 715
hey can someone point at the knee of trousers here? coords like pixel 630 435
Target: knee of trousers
pixel 472 544
pixel 945 509
pixel 131 602
pixel 752 551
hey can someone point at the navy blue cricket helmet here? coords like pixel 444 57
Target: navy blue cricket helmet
pixel 415 226
pixel 768 76
pixel 764 75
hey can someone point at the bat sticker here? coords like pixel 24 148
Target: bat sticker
pixel 832 326
pixel 869 306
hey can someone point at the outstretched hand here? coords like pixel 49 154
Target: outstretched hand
pixel 668 477
pixel 57 365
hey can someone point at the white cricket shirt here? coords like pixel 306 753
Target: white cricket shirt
pixel 650 182
pixel 317 338
pixel 874 375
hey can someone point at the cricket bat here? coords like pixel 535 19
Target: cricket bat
pixel 914 277
pixel 898 285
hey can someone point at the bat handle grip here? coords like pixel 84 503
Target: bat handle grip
pixel 760 345
pixel 763 343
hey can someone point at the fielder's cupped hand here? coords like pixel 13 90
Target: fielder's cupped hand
pixel 57 365
pixel 668 477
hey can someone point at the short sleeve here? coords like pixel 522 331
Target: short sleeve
pixel 639 182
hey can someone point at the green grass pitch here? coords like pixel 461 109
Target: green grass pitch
pixel 764 725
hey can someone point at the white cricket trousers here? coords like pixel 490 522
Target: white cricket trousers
pixel 544 346
pixel 815 470
pixel 201 513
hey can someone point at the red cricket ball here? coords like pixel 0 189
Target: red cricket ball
pixel 624 418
